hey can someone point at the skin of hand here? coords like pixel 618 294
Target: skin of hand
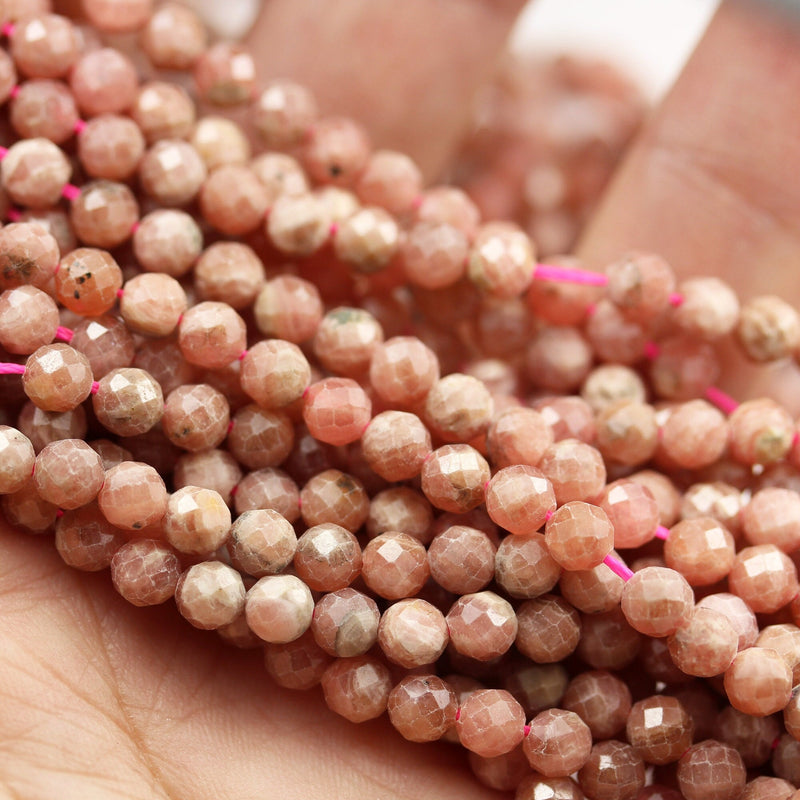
pixel 103 700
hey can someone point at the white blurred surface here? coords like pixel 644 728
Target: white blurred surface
pixel 649 39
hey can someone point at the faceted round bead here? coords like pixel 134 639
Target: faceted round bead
pixel 328 557
pixel 104 214
pixel 613 337
pixel 335 151
pixel 785 759
pixel 764 577
pixel 738 613
pixel 579 535
pixel 609 384
pixel 152 304
pixel 279 608
pixel 268 488
pixel 172 172
pixel 632 511
pixel 221 142
pixel 299 664
pixel 85 540
pixel 345 623
pixel 753 737
pixel 784 640
pixel 279 174
pixel 68 473
pixel 128 401
pixel 42 427
pixel 549 629
pixel 346 339
pixel 28 319
pixel 336 410
pixel 173 37
pixel 283 113
pixel 44 46
pixel 659 729
pixel 453 478
pixel 519 499
pixel 262 542
pixel 209 595
pixel 402 370
pixel 260 438
pixel 666 494
pixel 225 74
pixel 104 81
pixel 640 285
pixel 401 508
pixel 501 259
pixel 613 771
pixel 395 565
pixel 701 549
pixel 34 171
pixel 275 373
pixel 575 469
pixel 684 368
pixel 562 302
pixel 298 225
pixel 490 722
pixel 288 308
pixel 773 517
pixel 711 769
pixel 412 633
pixel 451 205
pixel 718 500
pixel 627 432
pixel 695 434
pixel 534 785
pixel 26 509
pixel 395 445
pixel 133 496
pixel 167 240
pixel 434 254
pixel 657 601
pixel 558 744
pixel 110 147
pixel 524 567
pixel 233 200
pixel 461 559
pixel 758 682
pixel 709 308
pixel 211 335
pixel 592 590
pixel 768 328
pixel 29 255
pixel 163 111
pixel 57 377
pixel 334 496
pixel 518 436
pixel 765 787
pixel 390 180
pixel 195 417
pixel 211 469
pixel 16 459
pixel 705 645
pixel 87 281
pixel 197 520
pixel 229 272
pixel 357 688
pixel 558 359
pixel 43 108
pixel 422 707
pixel 608 641
pixel 367 240
pixel 145 572
pixel 761 432
pixel 482 625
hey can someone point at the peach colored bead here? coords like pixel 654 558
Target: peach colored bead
pixel 260 438
pixel 173 37
pixel 784 640
pixel 738 613
pixel 280 174
pixel 145 572
pixel 28 319
pixel 501 259
pixel 152 304
pixel 640 284
pixel 57 377
pixel 367 240
pixel 575 469
pixel 68 473
pixel 666 495
pixel 345 623
pixel 403 369
pixel 758 682
pixel 268 488
pixel 110 147
pixel 233 200
pixel 660 729
pixel 262 542
pixel 42 427
pixel 345 340
pixel 104 81
pixel 298 224
pixel 225 74
pixel 461 559
pixel 118 16
pixel 632 511
pixel 490 722
pixel 519 499
pixel 288 308
pixel 26 509
pixel 104 214
pixel 283 113
pixel 395 445
pixel 34 171
pixel 196 521
pixel 279 608
pixel 357 688
pixel 710 308
pixel 695 434
pixel 768 329
pixel 701 549
pixel 211 335
pixel 609 384
pixel 518 436
pixel 211 469
pixel 592 590
pixel 328 557
pixel 773 517
pixel 558 744
pixel 16 460
pixel 412 633
pixel 523 566
pixel 163 111
pixel 336 410
pixel 558 359
pixel 627 432
pixel 43 108
pixel 608 641
pixel 579 535
pixel 163 359
pixel 613 337
pixel 229 272
pixel 275 373
pixel 167 241
pixel 395 565
pixel 87 281
pixel 434 255
pixel 335 151
pixel 128 401
pixel 753 737
pixel 334 496
pixel 613 771
pixel 422 708
pixel 453 478
pixel 85 540
pixel 133 496
pixel 482 625
pixel 533 785
pixel 299 664
pixel 209 595
pixel 549 629
pixel 711 769
pixel 172 172
pixel 29 254
pixel 764 577
pixel 761 432
pixel 391 180
pixel 195 417
pixel 657 601
pixel 705 645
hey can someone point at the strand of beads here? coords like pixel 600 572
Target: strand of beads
pixel 384 502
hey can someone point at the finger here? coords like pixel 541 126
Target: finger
pixel 408 71
pixel 708 184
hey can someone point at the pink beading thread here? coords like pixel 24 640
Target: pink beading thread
pixel 79 125
pixel 71 191
pixel 547 515
pixel 7 368
pixel 550 272
pixel 120 292
pixel 662 532
pixel 95 387
pixel 7 29
pixel 65 334
pixel 617 567
pixel 651 350
pixel 724 402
